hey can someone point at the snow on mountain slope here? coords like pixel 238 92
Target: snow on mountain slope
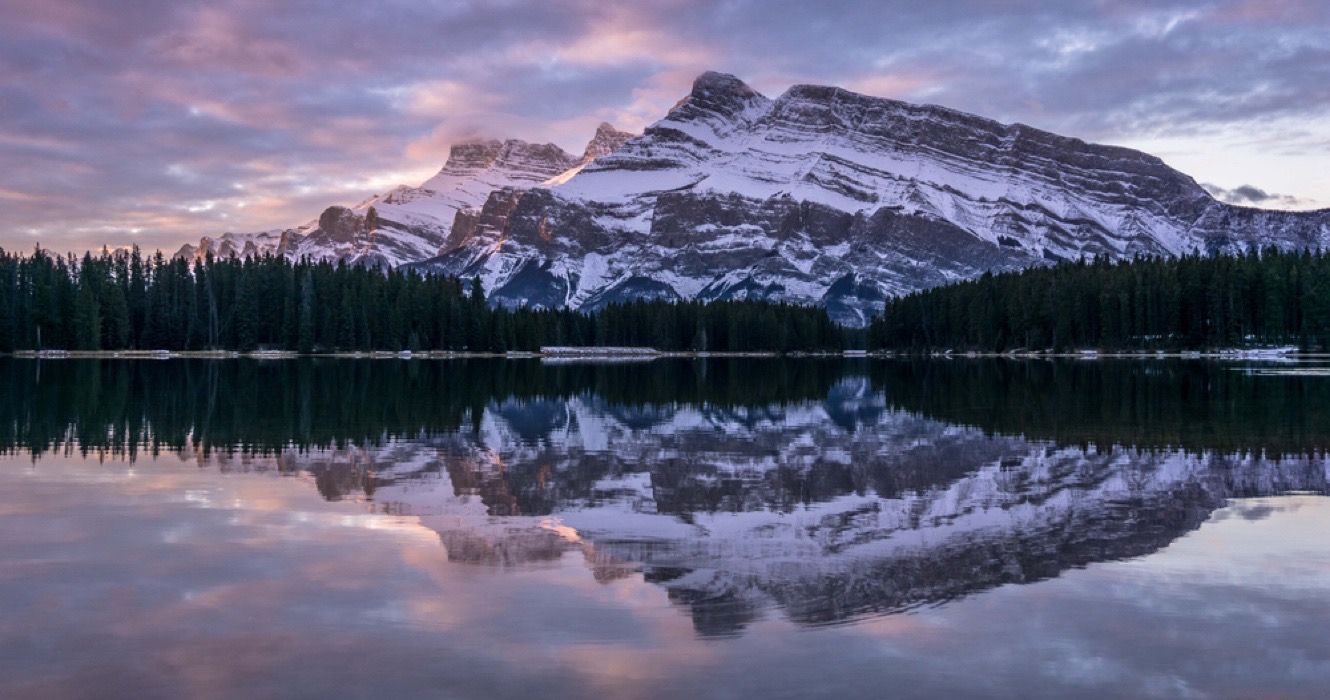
pixel 827 196
pixel 412 223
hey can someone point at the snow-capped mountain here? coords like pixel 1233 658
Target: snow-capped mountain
pixel 409 224
pixel 820 195
pixel 826 196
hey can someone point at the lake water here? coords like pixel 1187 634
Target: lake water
pixel 709 528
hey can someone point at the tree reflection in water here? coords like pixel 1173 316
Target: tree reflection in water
pixel 826 489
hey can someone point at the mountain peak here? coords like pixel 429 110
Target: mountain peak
pixel 473 153
pixel 482 154
pixel 722 93
pixel 606 141
pixel 714 82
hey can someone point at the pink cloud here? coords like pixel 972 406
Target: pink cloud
pixel 215 40
pixel 1270 11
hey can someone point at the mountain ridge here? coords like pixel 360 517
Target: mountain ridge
pixel 411 223
pixel 818 196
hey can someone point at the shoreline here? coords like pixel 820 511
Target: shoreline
pixel 385 355
pixel 1272 354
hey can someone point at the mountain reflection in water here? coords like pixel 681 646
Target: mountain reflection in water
pixel 829 490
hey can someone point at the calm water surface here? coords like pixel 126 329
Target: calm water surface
pixel 753 528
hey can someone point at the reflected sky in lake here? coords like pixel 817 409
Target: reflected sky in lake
pixel 789 529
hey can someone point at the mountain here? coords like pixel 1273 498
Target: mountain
pixel 409 224
pixel 819 196
pixel 826 196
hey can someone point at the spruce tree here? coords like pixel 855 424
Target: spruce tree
pixel 306 320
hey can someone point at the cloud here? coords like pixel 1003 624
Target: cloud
pixel 1252 196
pixel 105 106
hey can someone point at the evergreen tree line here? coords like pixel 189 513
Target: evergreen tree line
pixel 128 301
pixel 1193 302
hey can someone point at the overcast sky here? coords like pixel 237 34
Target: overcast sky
pixel 157 121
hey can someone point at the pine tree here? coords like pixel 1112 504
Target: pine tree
pixel 87 315
pixel 306 322
pixel 9 298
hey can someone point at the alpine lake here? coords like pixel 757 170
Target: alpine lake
pixel 695 528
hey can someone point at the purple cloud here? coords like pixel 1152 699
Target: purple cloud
pixel 156 122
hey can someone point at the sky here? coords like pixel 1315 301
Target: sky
pixel 154 122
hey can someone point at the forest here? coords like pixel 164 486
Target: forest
pixel 1194 302
pixel 128 301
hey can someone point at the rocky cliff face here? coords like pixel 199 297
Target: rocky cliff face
pixel 826 196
